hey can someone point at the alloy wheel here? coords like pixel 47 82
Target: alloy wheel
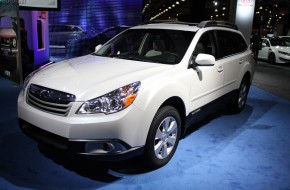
pixel 165 137
pixel 243 95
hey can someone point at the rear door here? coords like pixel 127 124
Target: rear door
pixel 233 53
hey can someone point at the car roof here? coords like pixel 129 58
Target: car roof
pixel 167 26
pixel 186 26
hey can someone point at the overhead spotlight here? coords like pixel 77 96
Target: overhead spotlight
pixel 173 5
pixel 177 3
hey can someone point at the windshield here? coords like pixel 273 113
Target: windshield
pixel 151 45
pixel 279 42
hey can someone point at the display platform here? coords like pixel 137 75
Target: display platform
pixel 249 150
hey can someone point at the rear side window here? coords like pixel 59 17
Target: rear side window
pixel 230 43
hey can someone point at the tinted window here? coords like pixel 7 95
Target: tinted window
pixel 157 45
pixel 230 43
pixel 266 43
pixel 279 42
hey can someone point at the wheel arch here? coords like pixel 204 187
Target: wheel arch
pixel 179 105
pixel 269 57
pixel 247 77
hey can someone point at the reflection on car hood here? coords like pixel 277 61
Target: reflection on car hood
pixel 95 74
pixel 283 48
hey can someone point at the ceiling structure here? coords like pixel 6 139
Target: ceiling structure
pixel 268 13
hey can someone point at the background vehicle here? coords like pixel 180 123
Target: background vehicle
pixel 287 38
pixel 73 41
pixel 9 49
pixel 133 96
pixel 88 44
pixel 65 39
pixel 275 50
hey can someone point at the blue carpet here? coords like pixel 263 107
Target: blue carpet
pixel 247 151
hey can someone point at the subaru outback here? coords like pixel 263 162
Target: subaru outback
pixel 133 96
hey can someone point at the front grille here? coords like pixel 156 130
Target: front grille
pixel 49 100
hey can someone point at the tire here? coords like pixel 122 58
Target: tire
pixel 163 137
pixel 240 97
pixel 272 59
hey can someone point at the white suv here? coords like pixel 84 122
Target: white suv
pixel 134 95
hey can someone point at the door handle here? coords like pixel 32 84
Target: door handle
pixel 220 69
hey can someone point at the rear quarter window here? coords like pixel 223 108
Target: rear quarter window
pixel 230 43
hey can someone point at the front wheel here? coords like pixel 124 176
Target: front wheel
pixel 163 137
pixel 240 97
pixel 272 59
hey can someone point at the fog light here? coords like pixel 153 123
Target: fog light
pixel 110 147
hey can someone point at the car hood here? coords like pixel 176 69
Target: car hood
pixel 283 48
pixel 91 76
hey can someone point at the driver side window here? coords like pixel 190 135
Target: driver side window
pixel 267 43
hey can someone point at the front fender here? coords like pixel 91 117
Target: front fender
pixel 153 94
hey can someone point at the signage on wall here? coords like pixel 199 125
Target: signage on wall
pixel 244 17
pixel 39 4
pixel 246 3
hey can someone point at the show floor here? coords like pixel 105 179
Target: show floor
pixel 247 151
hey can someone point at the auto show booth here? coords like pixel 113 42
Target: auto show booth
pixel 34 33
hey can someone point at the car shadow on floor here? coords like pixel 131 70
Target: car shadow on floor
pixel 104 171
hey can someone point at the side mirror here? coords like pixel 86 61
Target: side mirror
pixel 264 45
pixel 98 47
pixel 204 60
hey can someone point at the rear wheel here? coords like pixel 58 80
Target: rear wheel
pixel 240 97
pixel 163 137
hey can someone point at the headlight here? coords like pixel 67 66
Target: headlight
pixel 14 42
pixel 284 53
pixel 111 102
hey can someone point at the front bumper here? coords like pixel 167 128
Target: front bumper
pixel 283 58
pixel 111 137
pixel 85 148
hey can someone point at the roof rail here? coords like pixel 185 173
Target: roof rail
pixel 169 22
pixel 210 23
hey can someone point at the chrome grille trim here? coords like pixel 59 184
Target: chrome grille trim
pixel 61 109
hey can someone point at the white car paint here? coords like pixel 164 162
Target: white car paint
pixel 92 76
